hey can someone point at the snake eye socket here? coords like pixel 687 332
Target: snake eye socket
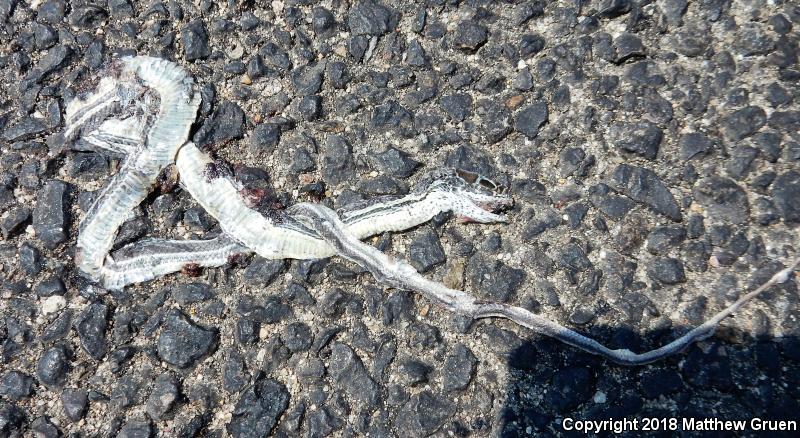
pixel 469 177
pixel 487 184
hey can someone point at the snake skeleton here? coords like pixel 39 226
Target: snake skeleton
pixel 143 110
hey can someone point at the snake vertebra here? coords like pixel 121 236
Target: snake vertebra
pixel 118 118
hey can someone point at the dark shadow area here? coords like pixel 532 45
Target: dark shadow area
pixel 730 376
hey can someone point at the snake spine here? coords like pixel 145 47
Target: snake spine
pixel 143 112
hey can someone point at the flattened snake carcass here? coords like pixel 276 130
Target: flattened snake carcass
pixel 143 112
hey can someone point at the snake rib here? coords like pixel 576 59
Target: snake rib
pixel 303 231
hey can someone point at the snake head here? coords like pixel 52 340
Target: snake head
pixel 473 197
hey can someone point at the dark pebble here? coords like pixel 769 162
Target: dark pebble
pixel 50 286
pixel 182 342
pixel 644 186
pixel 666 270
pixel 459 367
pixel 640 138
pixel 350 375
pixel 470 36
pixel 297 337
pixel 53 365
pixel 423 414
pixel 50 216
pixel 662 239
pixel 337 160
pixel 16 386
pixel 165 394
pixel 91 326
pixel 725 200
pixel 225 124
pixel 258 409
pixel 786 193
pixel 531 118
pixel 369 17
pixel 307 79
pixel 195 41
pixel 75 402
pixel 394 162
pixel 425 251
pixel 743 123
pixel 494 279
pixel 695 144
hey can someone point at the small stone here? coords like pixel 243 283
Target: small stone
pixel 13 223
pixel 530 45
pixel 337 74
pixel 50 216
pixel 297 337
pixel 786 193
pixel 640 138
pixel 369 17
pixel 494 279
pixel 695 144
pixel 425 251
pixel 120 8
pixel 307 79
pixel 350 375
pixel 256 68
pixel 469 36
pixel 337 160
pixel 136 429
pixel 75 402
pixel 457 106
pixel 725 200
pixel 423 414
pixel 53 365
pixel 494 121
pixel 265 137
pixel 743 123
pixel 414 372
pixel 53 304
pixel 627 46
pixel 42 427
pixel 666 270
pixel 191 293
pixel 258 409
pixel 644 186
pixel 321 19
pixel 182 342
pixel 86 17
pixel 50 286
pixel 25 129
pixel 661 239
pixel 753 39
pixel 310 107
pixel 263 271
pixel 415 55
pixel 574 258
pixel 195 41
pixel 166 392
pixel 30 259
pixel 459 367
pixel 740 162
pixel 234 375
pixel 91 327
pixel 394 162
pixel 16 386
pixel 51 62
pixel 225 124
pixel 531 118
